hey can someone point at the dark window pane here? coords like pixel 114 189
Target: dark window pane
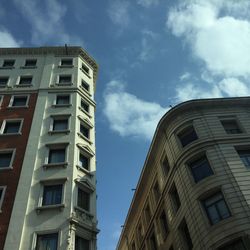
pixel 64 79
pixel 62 99
pixel 83 199
pixel 84 106
pixel 165 165
pixel 164 224
pixel 85 69
pixel 200 169
pixel 157 192
pixel 8 63
pixel 30 63
pixel 235 245
pixel 60 125
pixel 85 85
pixel 67 62
pixel 47 242
pixel 5 159
pixel 19 101
pixel 84 130
pixel 186 235
pixel 83 161
pixel 57 155
pixel 187 136
pixel 52 195
pixel 12 127
pixel 25 80
pixel 81 244
pixel 231 127
pixel 3 81
pixel 175 198
pixel 153 242
pixel 245 157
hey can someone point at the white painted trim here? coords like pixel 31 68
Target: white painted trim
pixel 11 120
pixel 12 100
pixel 3 188
pixel 7 150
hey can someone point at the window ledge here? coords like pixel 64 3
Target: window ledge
pixel 14 107
pixel 28 67
pixel 84 138
pixel 10 67
pixel 65 66
pixel 61 105
pixel 3 86
pixel 85 73
pixel 63 84
pixel 51 132
pixel 85 112
pixel 85 91
pixel 48 207
pixel 84 211
pixel 23 85
pixel 84 170
pixel 55 165
pixel 7 134
pixel 6 168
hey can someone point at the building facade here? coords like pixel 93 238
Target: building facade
pixel 47 149
pixel 194 192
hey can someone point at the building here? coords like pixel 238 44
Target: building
pixel 194 192
pixel 47 149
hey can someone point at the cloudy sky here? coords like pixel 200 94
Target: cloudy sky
pixel 151 54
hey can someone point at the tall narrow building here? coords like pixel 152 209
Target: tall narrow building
pixel 47 149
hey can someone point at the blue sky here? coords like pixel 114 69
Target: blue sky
pixel 151 54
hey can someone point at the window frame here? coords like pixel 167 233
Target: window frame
pixel 185 234
pixel 175 199
pixel 62 105
pixel 61 65
pixel 59 83
pixel 184 133
pixel 12 99
pixel 5 122
pixel 7 78
pixel 234 120
pixel 246 161
pixel 165 168
pixel 20 78
pixel 1 100
pixel 47 232
pixel 8 67
pixel 87 112
pixel 87 125
pixel 54 118
pixel 3 188
pixel 78 236
pixel 13 151
pixel 85 69
pixel 164 224
pixel 27 61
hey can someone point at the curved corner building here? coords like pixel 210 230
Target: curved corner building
pixel 194 189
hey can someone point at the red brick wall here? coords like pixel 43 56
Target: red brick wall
pixel 10 177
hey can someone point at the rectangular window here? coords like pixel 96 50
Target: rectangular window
pixel 83 199
pixel 133 246
pixel 47 242
pixel 186 235
pixel 235 245
pixel 52 194
pixel 165 166
pixel 60 124
pixel 175 198
pixel 25 80
pixel 81 243
pixel 8 63
pixel 4 81
pixel 147 213
pixel 164 224
pixel 62 100
pixel 245 157
pixel 85 69
pixel 2 192
pixel 11 127
pixel 140 232
pixel 19 101
pixel 231 126
pixel 57 155
pixel 30 63
pixel 200 169
pixel 67 62
pixel 84 130
pixel 65 79
pixel 84 106
pixel 153 242
pixel 6 159
pixel 157 192
pixel 83 161
pixel 216 208
pixel 85 85
pixel 187 136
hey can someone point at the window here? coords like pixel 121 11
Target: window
pixel 84 130
pixel 83 199
pixel 140 232
pixel 25 80
pixel 8 63
pixel 2 192
pixel 56 155
pixel 60 124
pixel 85 69
pixel 187 136
pixel 11 127
pixel 164 224
pixel 175 198
pixel 30 63
pixel 216 208
pixel 65 79
pixel 147 213
pixel 200 169
pixel 245 157
pixel 186 235
pixel 153 242
pixel 157 192
pixel 67 62
pixel 231 126
pixel 84 106
pixel 133 246
pixel 6 159
pixel 171 247
pixel 4 81
pixel 165 166
pixel 81 244
pixel 85 85
pixel 62 100
pixel 235 245
pixel 47 242
pixel 52 194
pixel 83 161
pixel 19 101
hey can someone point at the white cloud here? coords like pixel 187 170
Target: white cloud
pixel 185 76
pixel 7 40
pixel 118 12
pixel 147 3
pixel 221 42
pixel 128 115
pixel 46 19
